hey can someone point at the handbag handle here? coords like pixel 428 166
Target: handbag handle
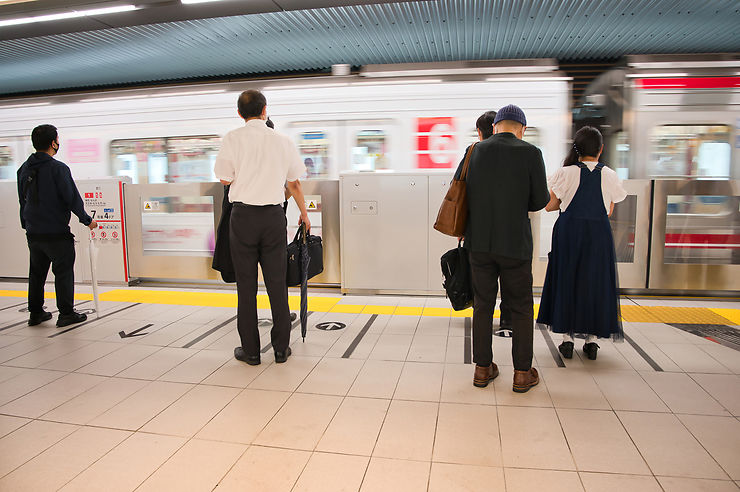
pixel 464 173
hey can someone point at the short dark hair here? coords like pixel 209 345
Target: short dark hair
pixel 42 136
pixel 484 123
pixel 251 103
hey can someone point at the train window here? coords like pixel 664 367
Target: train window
pixel 191 159
pixel 7 166
pixel 690 151
pixel 313 147
pixel 702 229
pixel 532 135
pixel 369 151
pixel 138 159
pixel 620 161
pixel 471 137
pixel 177 226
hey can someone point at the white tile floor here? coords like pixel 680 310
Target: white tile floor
pixel 89 410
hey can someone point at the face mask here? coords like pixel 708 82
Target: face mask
pixel 55 149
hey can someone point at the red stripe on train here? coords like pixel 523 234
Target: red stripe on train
pixel 689 83
pixel 703 241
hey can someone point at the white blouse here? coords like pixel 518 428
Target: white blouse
pixel 564 183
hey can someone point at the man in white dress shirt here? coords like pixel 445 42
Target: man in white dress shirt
pixel 258 162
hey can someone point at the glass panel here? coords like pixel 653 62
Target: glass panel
pixel 471 138
pixel 137 158
pixel 621 155
pixel 7 166
pixel 313 147
pixel 702 229
pixel 178 226
pixel 190 159
pixel 690 151
pixel 369 152
pixel 532 135
pixel 623 222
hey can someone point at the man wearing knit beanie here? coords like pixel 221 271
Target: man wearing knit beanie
pixel 506 180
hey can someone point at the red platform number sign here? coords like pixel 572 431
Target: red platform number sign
pixel 436 143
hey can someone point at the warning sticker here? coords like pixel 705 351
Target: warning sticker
pixel 313 203
pixel 153 205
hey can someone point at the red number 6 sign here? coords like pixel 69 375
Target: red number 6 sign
pixel 435 142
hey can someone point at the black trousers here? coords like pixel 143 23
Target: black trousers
pixel 60 254
pixel 516 287
pixel 258 235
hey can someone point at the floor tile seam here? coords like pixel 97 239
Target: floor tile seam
pixel 634 444
pixel 43 450
pixel 116 375
pixel 215 487
pixel 675 416
pixel 706 450
pixel 690 375
pixel 198 351
pixel 45 362
pixel 107 378
pixel 701 347
pixel 91 362
pixel 99 457
pixel 31 391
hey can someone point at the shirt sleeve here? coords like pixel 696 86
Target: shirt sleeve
pixel 70 195
pixel 21 196
pixel 225 166
pixel 616 191
pixel 558 183
pixel 296 168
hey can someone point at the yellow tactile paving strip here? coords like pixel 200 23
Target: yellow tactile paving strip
pixel 644 314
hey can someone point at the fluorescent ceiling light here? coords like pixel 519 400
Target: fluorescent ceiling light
pixel 188 2
pixel 113 98
pixel 190 93
pixel 685 64
pixel 67 15
pixel 307 86
pixel 25 105
pixel 651 75
pixel 459 71
pixel 528 79
pixel 396 82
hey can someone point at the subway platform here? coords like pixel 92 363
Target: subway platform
pixel 148 397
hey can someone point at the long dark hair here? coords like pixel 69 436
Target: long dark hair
pixel 587 141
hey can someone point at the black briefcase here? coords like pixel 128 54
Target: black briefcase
pixel 458 282
pixel 315 254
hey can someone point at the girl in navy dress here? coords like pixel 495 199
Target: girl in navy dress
pixel 580 295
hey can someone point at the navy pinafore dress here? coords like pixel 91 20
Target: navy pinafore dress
pixel 580 295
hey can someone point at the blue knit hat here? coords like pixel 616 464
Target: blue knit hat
pixel 511 112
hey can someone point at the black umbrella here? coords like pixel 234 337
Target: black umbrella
pixel 305 260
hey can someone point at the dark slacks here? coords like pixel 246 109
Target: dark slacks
pixel 60 254
pixel 516 287
pixel 258 235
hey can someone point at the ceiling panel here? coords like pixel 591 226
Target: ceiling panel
pixel 313 40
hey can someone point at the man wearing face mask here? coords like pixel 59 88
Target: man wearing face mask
pixel 47 196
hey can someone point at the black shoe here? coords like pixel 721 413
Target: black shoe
pixel 590 350
pixel 38 318
pixel 281 357
pixel 70 319
pixel 252 360
pixel 566 348
pixel 293 317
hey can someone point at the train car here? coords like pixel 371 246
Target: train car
pixel 385 118
pixel 674 120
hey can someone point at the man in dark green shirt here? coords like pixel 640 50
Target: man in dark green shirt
pixel 506 180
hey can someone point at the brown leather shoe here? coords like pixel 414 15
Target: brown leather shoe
pixel 484 375
pixel 523 380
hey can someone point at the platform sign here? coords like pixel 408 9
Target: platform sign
pixel 436 143
pixel 103 200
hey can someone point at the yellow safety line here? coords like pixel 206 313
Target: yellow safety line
pixel 328 304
